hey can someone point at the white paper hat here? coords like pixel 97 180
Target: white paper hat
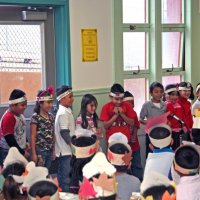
pixel 14 156
pixel 154 179
pixel 34 174
pixel 80 132
pixel 98 165
pixel 118 137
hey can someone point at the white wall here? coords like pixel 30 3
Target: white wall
pixel 91 14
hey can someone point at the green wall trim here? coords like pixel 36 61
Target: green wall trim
pixel 78 93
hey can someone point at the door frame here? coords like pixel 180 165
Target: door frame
pixel 62 35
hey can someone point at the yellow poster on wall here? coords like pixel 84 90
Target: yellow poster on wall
pixel 89 45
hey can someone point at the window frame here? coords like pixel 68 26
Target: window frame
pixel 154 28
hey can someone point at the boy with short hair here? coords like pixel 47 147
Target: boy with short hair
pixel 64 130
pixel 186 164
pixel 117 116
pixel 13 126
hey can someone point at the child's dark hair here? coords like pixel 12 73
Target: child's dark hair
pixel 112 197
pixel 117 88
pixel 88 99
pixel 170 86
pixel 43 188
pixel 186 84
pixel 120 148
pixel 41 93
pixel 16 93
pixel 158 191
pixel 62 89
pixel 154 85
pixel 127 94
pixel 159 133
pixel 196 136
pixel 187 157
pixel 77 164
pixel 11 188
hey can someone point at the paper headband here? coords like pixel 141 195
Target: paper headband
pixel 171 90
pixel 161 143
pixel 185 88
pixel 185 171
pixel 128 99
pixel 198 87
pixel 85 152
pixel 64 94
pixel 121 95
pixel 19 100
pixel 166 196
pixel 46 98
pixel 55 196
pixel 119 159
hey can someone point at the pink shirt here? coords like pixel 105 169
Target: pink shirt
pixel 188 188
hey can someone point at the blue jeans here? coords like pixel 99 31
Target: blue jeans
pixel 3 154
pixel 64 172
pixel 136 166
pixel 46 156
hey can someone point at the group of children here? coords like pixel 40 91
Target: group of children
pixel 83 168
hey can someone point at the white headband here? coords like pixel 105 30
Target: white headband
pixel 171 90
pixel 64 94
pixel 46 98
pixel 128 99
pixel 184 88
pixel 117 95
pixel 19 100
pixel 198 87
pixel 161 143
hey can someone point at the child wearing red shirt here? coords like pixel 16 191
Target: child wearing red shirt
pixel 186 93
pixel 176 113
pixel 117 116
pixel 136 166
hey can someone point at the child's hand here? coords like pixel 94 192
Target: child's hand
pixel 34 158
pixel 120 110
pixel 116 110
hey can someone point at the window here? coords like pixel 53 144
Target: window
pixel 134 50
pixel 20 60
pixel 149 44
pixel 171 80
pixel 139 93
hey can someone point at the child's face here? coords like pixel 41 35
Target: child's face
pixel 185 93
pixel 117 101
pixel 157 94
pixel 91 108
pixel 46 106
pixel 173 96
pixel 68 100
pixel 198 94
pixel 19 108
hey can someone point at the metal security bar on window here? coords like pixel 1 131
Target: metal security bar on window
pixel 20 59
pixel 20 48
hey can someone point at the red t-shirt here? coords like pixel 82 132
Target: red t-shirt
pixel 119 125
pixel 176 109
pixel 8 123
pixel 12 124
pixel 187 114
